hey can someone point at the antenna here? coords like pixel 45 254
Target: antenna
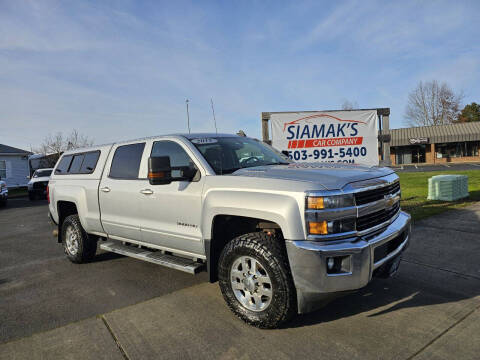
pixel 214 119
pixel 188 116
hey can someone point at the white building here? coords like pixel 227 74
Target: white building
pixel 14 167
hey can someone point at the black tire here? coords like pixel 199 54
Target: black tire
pixel 86 245
pixel 3 203
pixel 270 252
pixel 31 196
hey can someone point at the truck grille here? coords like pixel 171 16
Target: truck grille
pixel 40 185
pixel 376 218
pixel 369 196
pixel 375 205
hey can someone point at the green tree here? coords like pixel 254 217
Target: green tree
pixel 470 112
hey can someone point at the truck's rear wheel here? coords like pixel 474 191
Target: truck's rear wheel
pixel 78 245
pixel 255 280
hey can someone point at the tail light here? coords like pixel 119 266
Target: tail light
pixel 48 194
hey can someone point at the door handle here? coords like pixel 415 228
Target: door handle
pixel 105 189
pixel 146 192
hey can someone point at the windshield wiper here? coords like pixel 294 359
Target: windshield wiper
pixel 229 171
pixel 266 164
pixel 278 163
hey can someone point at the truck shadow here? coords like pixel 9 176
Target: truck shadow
pixel 105 256
pixel 379 298
pixel 433 272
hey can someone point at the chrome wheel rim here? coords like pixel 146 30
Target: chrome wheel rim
pixel 71 240
pixel 251 283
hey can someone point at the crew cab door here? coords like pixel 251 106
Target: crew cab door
pixel 119 192
pixel 171 213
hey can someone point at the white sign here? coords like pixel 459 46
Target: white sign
pixel 203 141
pixel 330 136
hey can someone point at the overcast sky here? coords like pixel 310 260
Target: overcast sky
pixel 116 70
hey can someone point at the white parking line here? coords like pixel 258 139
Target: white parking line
pixel 445 165
pixel 416 167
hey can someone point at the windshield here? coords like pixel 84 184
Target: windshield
pixel 42 173
pixel 228 154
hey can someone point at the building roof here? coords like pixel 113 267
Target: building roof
pixel 469 131
pixel 10 150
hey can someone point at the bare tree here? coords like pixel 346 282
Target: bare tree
pixel 349 105
pixel 432 104
pixel 54 145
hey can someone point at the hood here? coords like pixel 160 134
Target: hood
pixel 39 179
pixel 330 175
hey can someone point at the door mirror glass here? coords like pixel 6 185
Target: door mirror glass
pixel 159 170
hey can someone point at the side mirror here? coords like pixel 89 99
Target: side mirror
pixel 159 170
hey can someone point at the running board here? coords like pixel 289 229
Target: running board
pixel 175 262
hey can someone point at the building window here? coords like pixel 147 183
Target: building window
pixel 472 148
pixel 457 149
pixel 3 169
pixel 413 154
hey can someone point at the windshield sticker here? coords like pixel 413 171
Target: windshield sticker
pixel 202 141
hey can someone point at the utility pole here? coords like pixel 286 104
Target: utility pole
pixel 188 117
pixel 214 119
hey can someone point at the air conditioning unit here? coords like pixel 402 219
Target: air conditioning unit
pixel 448 187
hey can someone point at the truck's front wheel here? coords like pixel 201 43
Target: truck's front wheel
pixel 255 280
pixel 78 245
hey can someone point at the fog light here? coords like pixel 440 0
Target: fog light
pixel 330 263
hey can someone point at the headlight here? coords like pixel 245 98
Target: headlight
pixel 329 202
pixel 331 227
pixel 340 218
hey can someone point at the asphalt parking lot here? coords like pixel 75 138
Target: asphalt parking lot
pixel 437 167
pixel 117 307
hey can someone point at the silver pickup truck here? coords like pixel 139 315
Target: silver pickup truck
pixel 280 237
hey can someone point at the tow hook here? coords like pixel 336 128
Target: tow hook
pixel 55 233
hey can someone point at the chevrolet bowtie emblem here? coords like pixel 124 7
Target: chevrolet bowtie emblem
pixel 389 200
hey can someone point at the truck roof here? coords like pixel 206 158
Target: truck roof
pixel 178 135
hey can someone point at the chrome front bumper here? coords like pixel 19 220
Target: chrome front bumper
pixel 308 262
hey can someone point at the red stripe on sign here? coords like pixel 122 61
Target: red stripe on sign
pixel 332 142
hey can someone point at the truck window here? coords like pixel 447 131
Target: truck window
pixel 178 156
pixel 63 165
pixel 76 164
pixel 90 162
pixel 126 161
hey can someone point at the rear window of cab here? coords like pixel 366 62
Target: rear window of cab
pixel 81 163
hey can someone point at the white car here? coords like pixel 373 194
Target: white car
pixel 3 193
pixel 37 186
